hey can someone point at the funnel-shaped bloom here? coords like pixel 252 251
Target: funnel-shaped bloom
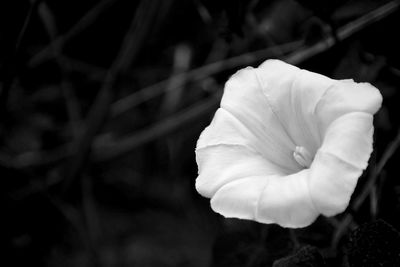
pixel 286 145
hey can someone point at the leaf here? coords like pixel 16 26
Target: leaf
pixel 374 244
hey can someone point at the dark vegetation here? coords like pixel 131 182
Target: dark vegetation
pixel 101 104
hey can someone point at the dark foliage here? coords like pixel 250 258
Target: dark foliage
pixel 374 244
pixel 305 257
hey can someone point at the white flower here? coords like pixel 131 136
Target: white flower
pixel 286 145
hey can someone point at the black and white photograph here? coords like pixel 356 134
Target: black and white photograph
pixel 200 133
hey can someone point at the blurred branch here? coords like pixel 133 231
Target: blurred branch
pixel 92 72
pixel 131 45
pixel 92 221
pixel 200 73
pixel 174 90
pixel 375 172
pixel 77 221
pixel 116 148
pixel 345 32
pixel 72 105
pixel 368 19
pixel 102 152
pixel 12 63
pixel 34 4
pixel 79 27
pixel 296 57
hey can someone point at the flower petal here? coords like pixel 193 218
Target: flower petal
pixel 284 200
pixel 340 161
pixel 221 164
pixel 331 183
pixel 273 120
pixel 350 138
pixel 226 129
pixel 345 97
pixel 239 199
pixel 293 94
pixel 244 102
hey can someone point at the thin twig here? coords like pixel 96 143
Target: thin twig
pixel 295 58
pixel 12 64
pixel 146 93
pixel 92 221
pixel 345 32
pixel 92 72
pixel 102 152
pixel 200 73
pixel 294 239
pixel 386 156
pixel 71 102
pixel 131 44
pixel 88 19
pixel 368 19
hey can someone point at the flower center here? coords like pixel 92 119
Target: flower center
pixel 302 156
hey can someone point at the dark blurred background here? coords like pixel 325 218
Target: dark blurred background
pixel 101 105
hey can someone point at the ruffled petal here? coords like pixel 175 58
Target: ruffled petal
pixel 332 182
pixel 340 162
pixel 284 200
pixel 349 138
pixel 345 97
pixel 239 199
pixel 221 164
